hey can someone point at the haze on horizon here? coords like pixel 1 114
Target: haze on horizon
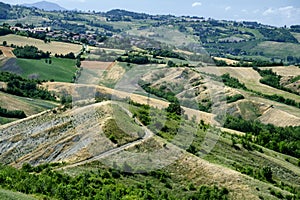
pixel 272 12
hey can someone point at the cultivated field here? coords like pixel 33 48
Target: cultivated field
pixel 53 47
pixel 60 69
pixel 92 72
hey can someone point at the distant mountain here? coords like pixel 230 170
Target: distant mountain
pixel 45 5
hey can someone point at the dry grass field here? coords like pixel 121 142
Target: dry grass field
pixel 7 52
pixel 250 78
pixel 285 70
pixel 53 47
pixel 227 60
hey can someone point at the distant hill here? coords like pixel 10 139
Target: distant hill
pixel 45 5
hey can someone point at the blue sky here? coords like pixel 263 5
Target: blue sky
pixel 274 12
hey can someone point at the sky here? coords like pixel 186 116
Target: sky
pixel 272 12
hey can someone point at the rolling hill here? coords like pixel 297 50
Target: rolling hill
pixel 45 5
pixel 143 109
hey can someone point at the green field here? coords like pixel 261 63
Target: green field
pixel 60 70
pixel 278 49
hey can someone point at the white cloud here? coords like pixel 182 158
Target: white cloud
pixel 228 8
pixel 269 11
pixel 195 4
pixel 287 11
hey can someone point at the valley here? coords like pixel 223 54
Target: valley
pixel 125 105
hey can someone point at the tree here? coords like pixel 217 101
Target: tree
pixel 266 172
pixel 78 63
pixel 4 43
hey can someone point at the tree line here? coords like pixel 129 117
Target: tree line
pixel 12 113
pixel 19 86
pixel 30 52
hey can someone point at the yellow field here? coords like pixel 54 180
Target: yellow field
pixel 7 51
pixel 53 47
pixel 227 60
pixel 285 70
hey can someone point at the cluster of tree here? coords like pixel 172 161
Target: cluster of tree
pixel 164 53
pixel 104 26
pixel 12 113
pixel 5 30
pixel 30 52
pixel 120 15
pixel 232 82
pixel 259 63
pixel 285 140
pixel 280 99
pixel 40 36
pixel 143 113
pixel 24 87
pixel 101 184
pixel 293 60
pixel 136 59
pixel 70 55
pixel 295 28
pixel 278 35
pixel 272 79
pixel 264 174
pixel 168 95
pixel 234 98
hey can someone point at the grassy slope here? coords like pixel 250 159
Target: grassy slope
pixel 278 49
pixel 10 195
pixel 61 70
pixel 29 106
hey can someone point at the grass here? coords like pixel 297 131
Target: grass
pixel 10 195
pixel 297 36
pixel 53 47
pixel 249 110
pixel 4 120
pixel 29 106
pixel 278 49
pixel 61 70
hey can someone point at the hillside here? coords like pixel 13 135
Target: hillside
pixel 125 105
pixel 45 5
